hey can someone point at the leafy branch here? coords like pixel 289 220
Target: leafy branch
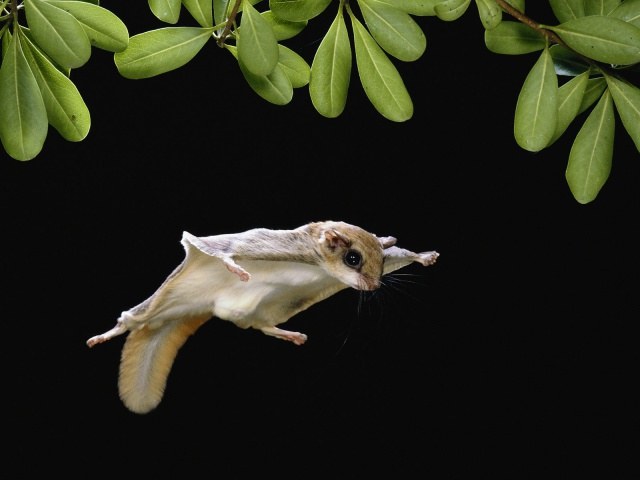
pixel 581 73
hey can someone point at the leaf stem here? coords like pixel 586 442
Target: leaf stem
pixel 230 21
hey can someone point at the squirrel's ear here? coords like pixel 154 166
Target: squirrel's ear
pixel 334 239
pixel 387 242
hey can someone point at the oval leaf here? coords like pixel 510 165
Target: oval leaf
pixel 600 7
pixel 256 42
pixel 331 70
pixel 166 10
pixel 283 29
pixel 629 11
pixel 201 11
pixel 594 90
pixel 298 10
pixel 159 51
pixel 394 30
pixel 66 110
pixel 566 10
pixel 380 79
pixel 490 13
pixel 537 108
pixel 422 8
pixel 294 66
pixel 275 88
pixel 592 152
pixel 103 28
pixel 450 10
pixel 58 33
pixel 513 38
pixel 627 100
pixel 23 116
pixel 570 96
pixel 604 39
pixel 566 62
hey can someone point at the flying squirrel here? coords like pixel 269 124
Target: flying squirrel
pixel 259 278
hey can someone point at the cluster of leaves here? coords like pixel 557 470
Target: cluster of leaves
pixel 580 69
pixel 35 85
pixel 579 72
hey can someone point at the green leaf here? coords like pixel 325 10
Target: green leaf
pixel 566 10
pixel 166 10
pixel 604 39
pixel 394 30
pixel 380 79
pixel 537 107
pixel 513 38
pixel 566 62
pixel 294 66
pixel 592 152
pixel 23 116
pixel 283 29
pixel 256 42
pixel 220 11
pixel 422 8
pixel 66 110
pixel 58 33
pixel 570 97
pixel 450 10
pixel 600 7
pixel 627 100
pixel 594 90
pixel 298 10
pixel 490 13
pixel 159 51
pixel 103 28
pixel 201 11
pixel 331 70
pixel 629 11
pixel 275 88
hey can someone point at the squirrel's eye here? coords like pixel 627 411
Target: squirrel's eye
pixel 352 259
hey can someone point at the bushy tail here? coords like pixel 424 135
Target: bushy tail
pixel 147 358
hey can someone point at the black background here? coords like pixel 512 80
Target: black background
pixel 516 354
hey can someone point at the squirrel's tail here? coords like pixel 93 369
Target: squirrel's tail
pixel 147 358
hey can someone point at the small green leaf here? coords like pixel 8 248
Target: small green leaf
pixel 159 51
pixel 513 38
pixel 220 11
pixel 23 116
pixel 600 7
pixel 566 62
pixel 566 10
pixel 490 13
pixel 275 88
pixel 421 8
pixel 627 100
pixel 594 90
pixel 604 39
pixel 394 30
pixel 201 11
pixel 256 42
pixel 66 110
pixel 570 97
pixel 283 29
pixel 331 70
pixel 294 66
pixel 450 10
pixel 58 33
pixel 166 10
pixel 380 79
pixel 298 10
pixel 592 152
pixel 103 28
pixel 537 107
pixel 629 11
